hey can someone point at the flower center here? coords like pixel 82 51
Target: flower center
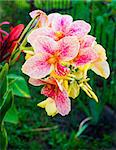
pixel 59 35
pixel 53 59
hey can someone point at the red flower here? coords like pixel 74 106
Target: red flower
pixel 8 41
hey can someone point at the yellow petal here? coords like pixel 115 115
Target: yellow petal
pixel 43 103
pixel 65 84
pixel 101 68
pixel 51 108
pixel 73 90
pixel 101 52
pixel 84 69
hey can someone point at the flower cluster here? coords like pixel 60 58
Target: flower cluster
pixel 63 52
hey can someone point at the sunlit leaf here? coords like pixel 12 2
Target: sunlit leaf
pixel 18 85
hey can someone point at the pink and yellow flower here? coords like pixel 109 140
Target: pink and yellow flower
pixel 49 54
pixel 53 89
pixel 62 53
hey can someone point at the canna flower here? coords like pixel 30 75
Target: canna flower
pixel 9 41
pixel 58 26
pixel 48 55
pixel 101 66
pixel 53 89
pixel 62 52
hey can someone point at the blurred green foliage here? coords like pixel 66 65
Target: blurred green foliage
pixel 99 134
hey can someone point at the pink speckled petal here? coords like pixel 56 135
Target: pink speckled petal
pixel 61 70
pixel 87 41
pixel 42 44
pixel 44 31
pixel 69 48
pixel 36 82
pixel 52 17
pixel 86 55
pixel 61 22
pixel 79 28
pixel 36 67
pixel 62 102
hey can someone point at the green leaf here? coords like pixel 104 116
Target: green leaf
pixel 81 130
pixel 6 104
pixel 3 138
pixel 12 115
pixel 18 85
pixel 3 79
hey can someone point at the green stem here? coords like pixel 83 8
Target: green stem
pixel 3 138
pixel 26 48
pixel 23 43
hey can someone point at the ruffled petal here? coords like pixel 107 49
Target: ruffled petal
pixel 36 67
pixel 44 31
pixel 60 22
pixel 79 28
pixel 87 41
pixel 52 17
pixel 42 44
pixel 86 55
pixel 101 68
pixel 69 48
pixel 62 101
